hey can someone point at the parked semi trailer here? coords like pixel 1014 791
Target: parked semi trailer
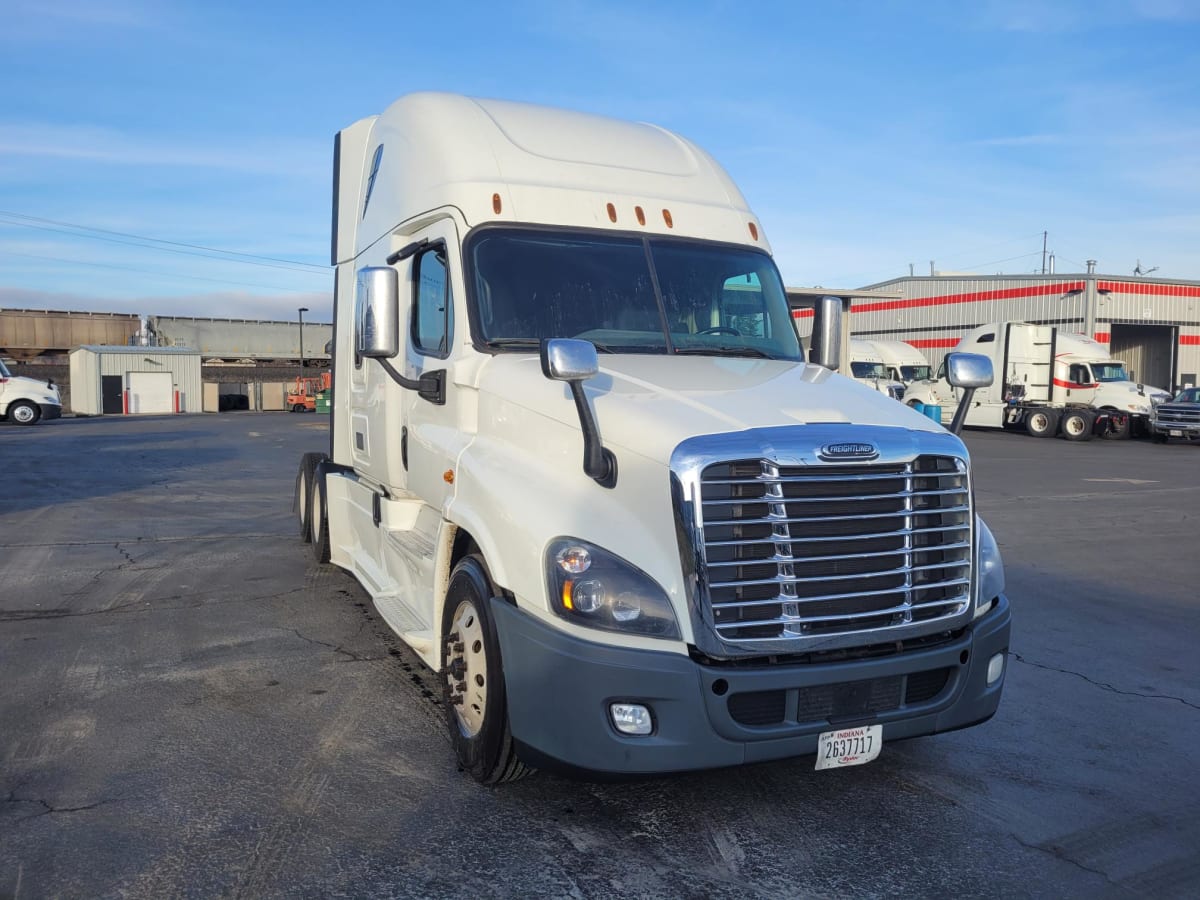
pixel 582 468
pixel 867 367
pixel 1052 383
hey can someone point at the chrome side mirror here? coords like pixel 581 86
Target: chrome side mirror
pixel 574 362
pixel 826 342
pixel 377 313
pixel 565 359
pixel 968 370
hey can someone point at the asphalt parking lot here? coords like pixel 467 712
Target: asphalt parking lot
pixel 190 707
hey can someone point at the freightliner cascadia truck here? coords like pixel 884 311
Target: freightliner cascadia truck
pixel 581 466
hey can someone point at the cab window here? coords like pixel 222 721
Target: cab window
pixel 433 313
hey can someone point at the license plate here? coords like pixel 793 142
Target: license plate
pixel 849 746
pixel 1176 433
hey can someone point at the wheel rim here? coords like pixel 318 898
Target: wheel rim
pixel 1074 426
pixel 466 669
pixel 1039 421
pixel 23 414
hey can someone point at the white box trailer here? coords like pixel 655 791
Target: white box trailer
pixel 581 467
pixel 1049 382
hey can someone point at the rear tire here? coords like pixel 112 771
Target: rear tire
pixel 1077 425
pixel 301 501
pixel 1042 422
pixel 473 679
pixel 24 413
pixel 319 521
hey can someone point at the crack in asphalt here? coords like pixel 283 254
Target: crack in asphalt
pixel 336 648
pixel 133 606
pixel 1058 853
pixel 1103 685
pixel 47 809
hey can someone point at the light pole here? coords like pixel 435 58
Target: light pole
pixel 302 311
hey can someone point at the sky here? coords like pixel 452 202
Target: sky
pixel 174 158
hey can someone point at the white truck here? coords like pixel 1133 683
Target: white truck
pixel 867 367
pixel 1051 382
pixel 903 362
pixel 27 401
pixel 581 467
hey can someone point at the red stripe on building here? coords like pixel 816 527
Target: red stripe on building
pixel 922 343
pixel 1102 337
pixel 1041 290
pixel 1153 290
pixel 1192 340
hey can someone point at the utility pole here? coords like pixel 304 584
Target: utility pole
pixel 1045 234
pixel 302 311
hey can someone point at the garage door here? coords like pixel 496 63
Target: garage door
pixel 151 393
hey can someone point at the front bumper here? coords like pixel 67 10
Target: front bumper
pixel 51 410
pixel 1186 429
pixel 559 689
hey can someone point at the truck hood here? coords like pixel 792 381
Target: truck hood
pixel 1125 395
pixel 648 404
pixel 18 387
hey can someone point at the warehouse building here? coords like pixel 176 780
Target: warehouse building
pixel 1152 325
pixel 135 380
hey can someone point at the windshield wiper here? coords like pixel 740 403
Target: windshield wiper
pixel 514 343
pixel 723 351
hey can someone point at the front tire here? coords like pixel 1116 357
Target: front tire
pixel 24 413
pixel 319 522
pixel 1120 426
pixel 303 495
pixel 473 679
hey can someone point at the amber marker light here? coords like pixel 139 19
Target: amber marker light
pixel 448 476
pixel 641 215
pixel 612 213
pixel 566 595
pixel 496 205
pixel 667 218
pixel 754 231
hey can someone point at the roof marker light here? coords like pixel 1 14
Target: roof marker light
pixel 612 213
pixel 641 215
pixel 667 218
pixel 754 231
pixel 496 206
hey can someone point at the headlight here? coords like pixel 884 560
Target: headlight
pixel 590 586
pixel 1139 407
pixel 989 579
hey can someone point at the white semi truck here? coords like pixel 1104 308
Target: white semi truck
pixel 27 401
pixel 902 361
pixel 582 469
pixel 1050 382
pixel 867 367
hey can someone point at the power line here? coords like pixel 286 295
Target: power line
pixel 79 262
pixel 27 221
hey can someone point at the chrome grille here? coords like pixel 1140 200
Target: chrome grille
pixel 805 551
pixel 1178 415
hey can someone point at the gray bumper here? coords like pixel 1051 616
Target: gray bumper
pixel 51 410
pixel 1187 429
pixel 559 688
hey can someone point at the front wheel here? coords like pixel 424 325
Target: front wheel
pixel 1120 425
pixel 24 413
pixel 473 679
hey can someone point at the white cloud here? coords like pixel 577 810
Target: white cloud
pixel 221 305
pixel 281 157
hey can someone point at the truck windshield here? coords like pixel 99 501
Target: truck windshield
pixel 868 370
pixel 1109 371
pixel 627 294
pixel 914 373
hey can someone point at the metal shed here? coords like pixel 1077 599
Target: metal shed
pixel 1151 324
pixel 135 380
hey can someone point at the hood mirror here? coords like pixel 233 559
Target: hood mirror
pixel 574 362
